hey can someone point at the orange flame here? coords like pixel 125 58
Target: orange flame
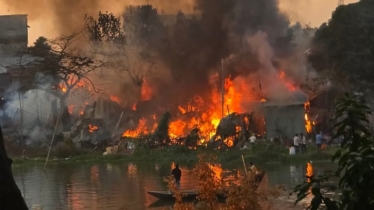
pixel 146 91
pixel 114 98
pixel 92 128
pixel 198 113
pixel 141 129
pixel 288 84
pixel 309 170
pixel 70 109
pixel 182 109
pixel 308 122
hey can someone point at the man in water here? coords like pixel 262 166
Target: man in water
pixel 177 173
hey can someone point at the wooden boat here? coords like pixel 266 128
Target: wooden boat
pixel 192 194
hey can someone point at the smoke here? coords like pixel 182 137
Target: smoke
pixel 253 37
pixel 67 16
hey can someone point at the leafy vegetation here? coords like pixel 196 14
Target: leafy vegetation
pixel 346 42
pixel 240 194
pixel 355 160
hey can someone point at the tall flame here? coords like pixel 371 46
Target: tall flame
pixel 308 122
pixel 309 170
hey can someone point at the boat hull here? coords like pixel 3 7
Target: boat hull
pixel 186 195
pixel 192 194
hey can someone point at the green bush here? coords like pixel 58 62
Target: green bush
pixel 355 160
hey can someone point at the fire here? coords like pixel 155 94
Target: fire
pixel 309 170
pixel 70 109
pixel 206 115
pixel 174 128
pixel 114 98
pixel 288 84
pixel 183 110
pixel 141 129
pixel 308 122
pixel 146 91
pixel 92 128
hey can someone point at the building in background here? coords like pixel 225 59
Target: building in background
pixel 14 61
pixel 13 34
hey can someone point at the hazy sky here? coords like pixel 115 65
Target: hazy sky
pixel 42 23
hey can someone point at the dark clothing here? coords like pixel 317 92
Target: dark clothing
pixel 303 148
pixel 177 173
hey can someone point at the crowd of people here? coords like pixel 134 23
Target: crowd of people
pixel 299 144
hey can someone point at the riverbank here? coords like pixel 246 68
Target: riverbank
pixel 260 153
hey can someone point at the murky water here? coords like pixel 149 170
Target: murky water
pixel 120 186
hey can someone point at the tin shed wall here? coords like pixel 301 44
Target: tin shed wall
pixel 284 121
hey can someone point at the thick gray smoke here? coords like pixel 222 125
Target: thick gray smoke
pixel 223 30
pixel 253 37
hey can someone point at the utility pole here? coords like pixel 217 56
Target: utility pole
pixel 223 89
pixel 340 2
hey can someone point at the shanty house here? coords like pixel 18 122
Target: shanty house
pixel 283 120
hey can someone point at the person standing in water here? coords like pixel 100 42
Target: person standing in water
pixel 177 173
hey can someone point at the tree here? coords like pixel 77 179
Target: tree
pixel 11 197
pixel 68 65
pixel 131 46
pixel 161 133
pixel 345 46
pixel 355 159
pixel 41 47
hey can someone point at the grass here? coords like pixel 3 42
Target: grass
pixel 260 153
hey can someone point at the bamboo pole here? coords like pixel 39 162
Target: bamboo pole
pixel 53 136
pixel 245 168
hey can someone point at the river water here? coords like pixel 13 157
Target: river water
pixel 121 186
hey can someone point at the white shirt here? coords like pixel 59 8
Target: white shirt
pixel 252 139
pixel 303 140
pixel 296 141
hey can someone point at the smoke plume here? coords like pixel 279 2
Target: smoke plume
pixel 250 41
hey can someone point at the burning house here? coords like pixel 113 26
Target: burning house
pixel 188 78
pixel 284 120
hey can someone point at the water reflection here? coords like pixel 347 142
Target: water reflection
pixel 119 186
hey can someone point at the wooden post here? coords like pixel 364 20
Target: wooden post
pixel 245 167
pixel 53 136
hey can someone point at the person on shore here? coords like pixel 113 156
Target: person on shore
pixel 296 142
pixel 303 143
pixel 319 140
pixel 252 139
pixel 253 168
pixel 177 173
